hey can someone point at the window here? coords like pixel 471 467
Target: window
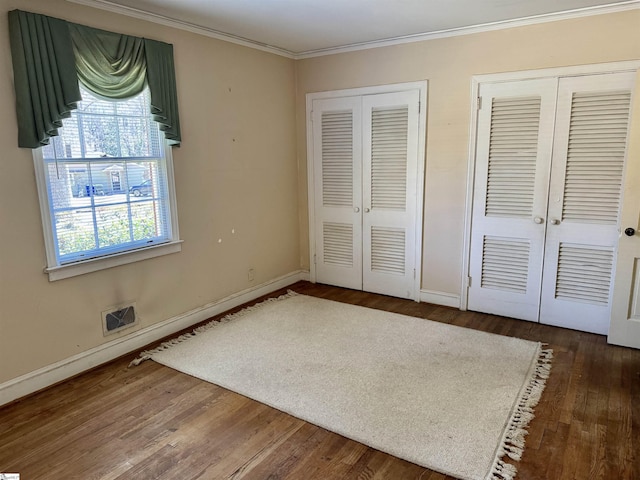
pixel 106 188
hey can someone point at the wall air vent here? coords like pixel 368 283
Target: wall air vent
pixel 119 318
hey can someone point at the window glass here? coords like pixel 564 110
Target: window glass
pixel 106 179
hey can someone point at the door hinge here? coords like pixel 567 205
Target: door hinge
pixel 414 273
pixel 419 106
pixel 479 102
pixel 468 281
pixel 311 116
pixel 314 259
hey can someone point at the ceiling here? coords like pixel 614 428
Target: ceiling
pixel 306 27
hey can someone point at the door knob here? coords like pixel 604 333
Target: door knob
pixel 629 232
pixel 356 209
pixel 538 220
pixel 555 221
pixel 366 210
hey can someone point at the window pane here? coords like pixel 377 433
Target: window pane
pixel 147 224
pixel 145 180
pixel 60 185
pixel 104 128
pixel 93 104
pixel 107 181
pixel 100 136
pixel 74 231
pixel 113 225
pixel 135 138
pixel 136 107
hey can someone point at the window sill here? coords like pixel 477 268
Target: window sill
pixel 93 265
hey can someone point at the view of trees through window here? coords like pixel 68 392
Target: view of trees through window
pixel 106 177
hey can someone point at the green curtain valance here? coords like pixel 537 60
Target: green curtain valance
pixel 109 64
pixel 51 55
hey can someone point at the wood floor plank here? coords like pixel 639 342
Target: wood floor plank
pixel 147 422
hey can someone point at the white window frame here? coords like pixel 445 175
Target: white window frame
pixel 59 272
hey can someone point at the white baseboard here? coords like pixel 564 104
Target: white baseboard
pixel 440 298
pixel 305 275
pixel 67 368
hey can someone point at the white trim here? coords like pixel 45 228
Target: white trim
pixel 572 71
pixel 468 204
pixel 420 37
pixel 182 25
pixel 440 298
pixel 476 80
pixel 472 29
pixel 115 260
pixel 422 87
pixel 311 190
pixel 369 90
pixel 304 275
pixel 171 187
pixel 420 195
pixel 67 368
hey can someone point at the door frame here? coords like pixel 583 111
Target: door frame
pixel 476 81
pixel 421 86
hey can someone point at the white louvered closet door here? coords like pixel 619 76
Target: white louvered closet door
pixel 592 122
pixel 513 155
pixel 365 182
pixel 337 152
pixel 390 166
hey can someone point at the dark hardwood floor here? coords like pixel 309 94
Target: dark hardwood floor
pixel 149 421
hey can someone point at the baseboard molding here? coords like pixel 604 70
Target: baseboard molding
pixel 67 368
pixel 440 298
pixel 305 275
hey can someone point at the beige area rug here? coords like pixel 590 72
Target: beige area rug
pixel 451 399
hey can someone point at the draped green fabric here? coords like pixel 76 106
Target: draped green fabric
pixel 162 85
pixel 45 81
pixel 109 64
pixel 51 55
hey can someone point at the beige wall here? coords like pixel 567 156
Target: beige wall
pixel 448 65
pixel 236 169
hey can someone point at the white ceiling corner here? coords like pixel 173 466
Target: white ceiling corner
pixel 306 28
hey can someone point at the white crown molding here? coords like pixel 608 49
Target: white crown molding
pixel 420 37
pixel 189 27
pixel 44 377
pixel 480 28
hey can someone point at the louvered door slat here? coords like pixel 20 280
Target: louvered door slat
pixel 595 158
pixel 584 274
pixel 388 250
pixel 389 127
pixel 337 244
pixel 513 141
pixel 337 158
pixel 505 264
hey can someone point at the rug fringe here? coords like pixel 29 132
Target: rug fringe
pixel 512 444
pixel 147 354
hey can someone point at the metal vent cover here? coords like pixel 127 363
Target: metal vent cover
pixel 119 318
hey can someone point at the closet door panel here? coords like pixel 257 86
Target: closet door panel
pixel 390 166
pixel 338 192
pixel 513 155
pixel 584 200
